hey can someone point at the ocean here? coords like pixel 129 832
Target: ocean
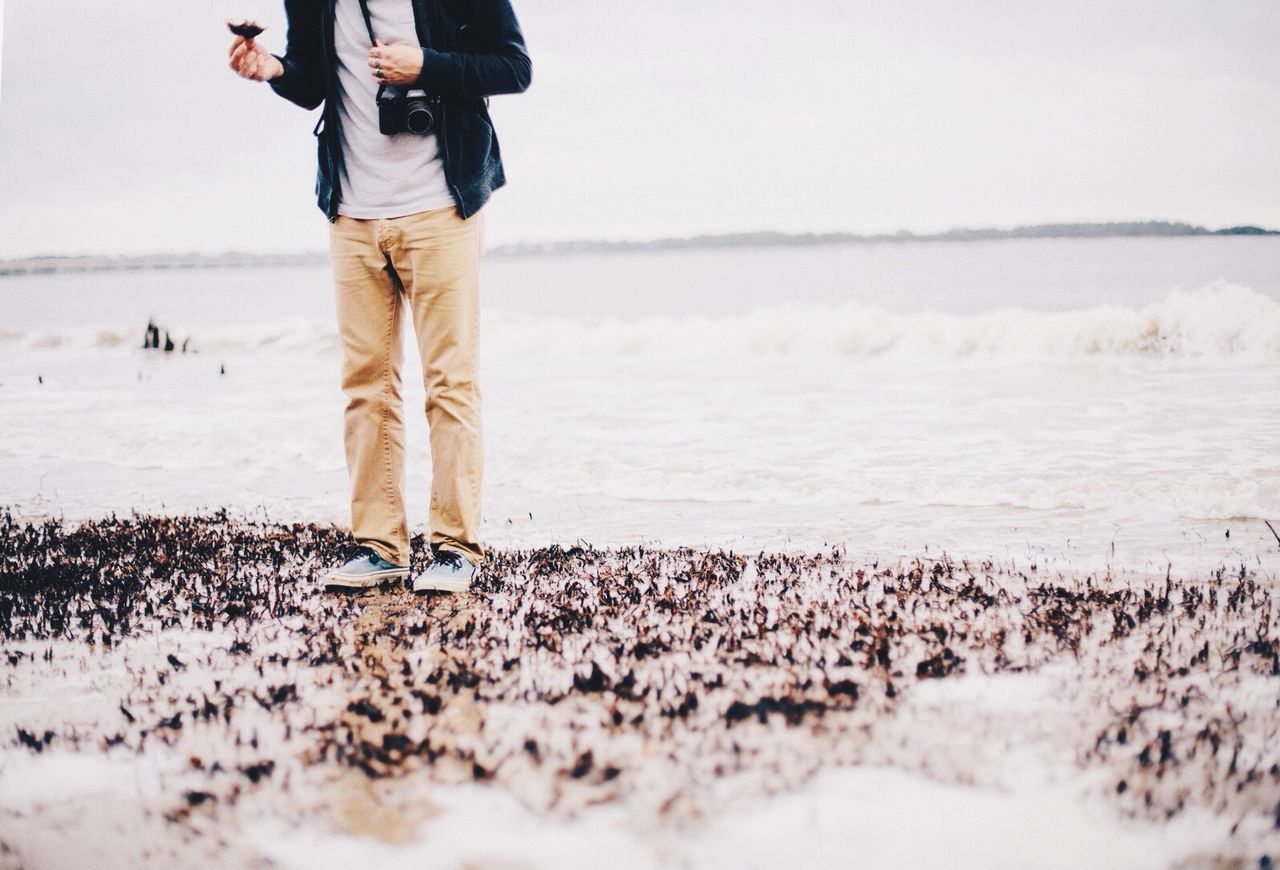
pixel 1061 403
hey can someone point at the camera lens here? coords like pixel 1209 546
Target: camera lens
pixel 418 118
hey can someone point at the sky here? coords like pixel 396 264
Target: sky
pixel 122 130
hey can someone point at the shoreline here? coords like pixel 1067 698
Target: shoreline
pixel 608 692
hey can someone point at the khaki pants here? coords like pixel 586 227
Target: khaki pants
pixel 431 260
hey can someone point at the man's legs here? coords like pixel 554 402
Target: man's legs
pixel 437 260
pixel 370 306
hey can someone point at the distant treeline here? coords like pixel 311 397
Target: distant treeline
pixel 779 240
pixel 152 262
pixel 50 265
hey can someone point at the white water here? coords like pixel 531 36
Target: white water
pixel 1064 402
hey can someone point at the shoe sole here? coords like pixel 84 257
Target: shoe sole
pixel 364 581
pixel 424 584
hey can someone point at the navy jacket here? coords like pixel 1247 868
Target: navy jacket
pixel 472 49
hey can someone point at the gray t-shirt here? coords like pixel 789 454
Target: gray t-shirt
pixel 384 176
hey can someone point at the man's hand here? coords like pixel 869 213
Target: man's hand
pixel 251 61
pixel 395 64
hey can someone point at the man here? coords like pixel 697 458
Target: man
pixel 403 192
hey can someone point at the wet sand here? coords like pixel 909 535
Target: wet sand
pixel 179 689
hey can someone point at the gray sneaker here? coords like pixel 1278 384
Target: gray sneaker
pixel 365 569
pixel 449 571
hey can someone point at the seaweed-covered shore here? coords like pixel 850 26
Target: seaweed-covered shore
pixel 648 678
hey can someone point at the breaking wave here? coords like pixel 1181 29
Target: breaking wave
pixel 1218 321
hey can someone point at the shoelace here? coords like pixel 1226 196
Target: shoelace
pixel 448 557
pixel 358 551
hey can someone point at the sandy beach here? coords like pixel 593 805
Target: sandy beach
pixel 921 580
pixel 179 690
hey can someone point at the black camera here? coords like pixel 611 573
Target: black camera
pixel 401 110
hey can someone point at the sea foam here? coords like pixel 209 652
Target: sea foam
pixel 1220 321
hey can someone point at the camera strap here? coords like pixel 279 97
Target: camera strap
pixel 368 22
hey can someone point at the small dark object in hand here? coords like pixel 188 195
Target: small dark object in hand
pixel 247 29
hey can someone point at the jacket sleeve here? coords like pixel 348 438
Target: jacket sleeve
pixel 499 65
pixel 303 81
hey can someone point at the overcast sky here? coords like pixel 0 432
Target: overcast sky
pixel 122 130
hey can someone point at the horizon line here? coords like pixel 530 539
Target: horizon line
pixel 746 238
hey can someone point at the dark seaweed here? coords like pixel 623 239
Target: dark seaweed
pixel 247 29
pixel 705 662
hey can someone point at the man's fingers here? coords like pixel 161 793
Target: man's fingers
pixel 235 44
pixel 248 60
pixel 259 70
pixel 255 64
